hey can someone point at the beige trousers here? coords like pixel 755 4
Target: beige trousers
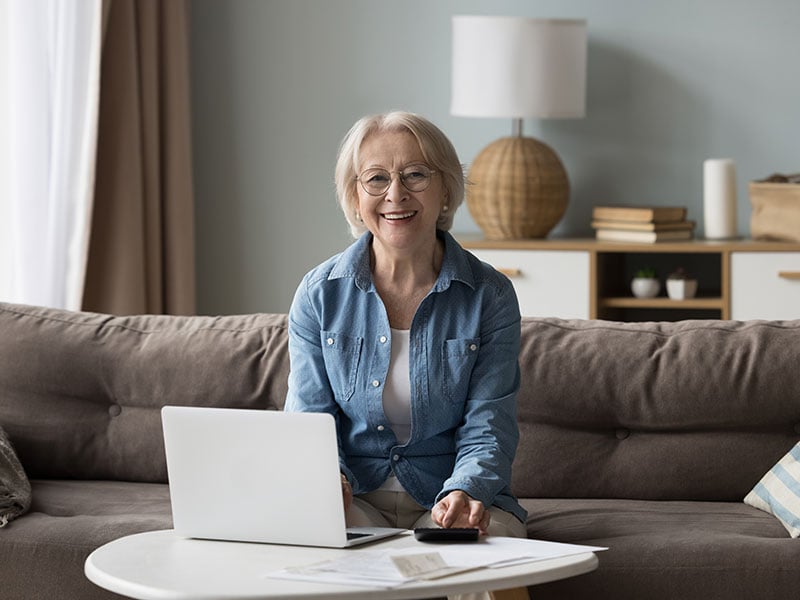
pixel 398 509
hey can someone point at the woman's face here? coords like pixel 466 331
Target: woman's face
pixel 400 219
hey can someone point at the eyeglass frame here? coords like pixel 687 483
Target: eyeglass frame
pixel 399 176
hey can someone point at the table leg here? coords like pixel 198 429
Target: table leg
pixel 520 593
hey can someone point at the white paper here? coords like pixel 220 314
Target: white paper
pixel 503 552
pixel 429 565
pixel 379 568
pixel 374 569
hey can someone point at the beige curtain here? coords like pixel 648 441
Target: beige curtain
pixel 141 253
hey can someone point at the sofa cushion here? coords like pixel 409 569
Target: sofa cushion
pixel 669 549
pixel 66 522
pixel 692 410
pixel 778 492
pixel 81 393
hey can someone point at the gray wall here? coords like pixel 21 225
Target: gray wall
pixel 277 83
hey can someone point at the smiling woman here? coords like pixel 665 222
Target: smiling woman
pixel 437 154
pixel 401 216
pixel 410 342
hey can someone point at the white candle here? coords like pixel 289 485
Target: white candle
pixel 719 198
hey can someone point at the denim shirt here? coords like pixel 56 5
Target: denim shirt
pixel 464 375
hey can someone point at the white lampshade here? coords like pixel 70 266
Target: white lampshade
pixel 518 67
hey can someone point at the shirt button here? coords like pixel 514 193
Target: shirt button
pixel 381 427
pixel 329 341
pixel 383 339
pixel 473 347
pixel 375 383
pixel 396 457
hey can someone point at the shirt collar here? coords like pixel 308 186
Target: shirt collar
pixel 354 263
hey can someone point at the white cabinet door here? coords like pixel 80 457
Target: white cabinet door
pixel 549 283
pixel 765 285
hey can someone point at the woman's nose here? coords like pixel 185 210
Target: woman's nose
pixel 397 191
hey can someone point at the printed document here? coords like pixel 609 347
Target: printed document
pixel 394 567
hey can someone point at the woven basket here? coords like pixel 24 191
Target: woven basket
pixel 518 188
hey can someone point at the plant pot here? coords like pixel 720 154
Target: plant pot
pixel 681 289
pixel 645 287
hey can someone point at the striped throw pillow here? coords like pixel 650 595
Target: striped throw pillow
pixel 778 492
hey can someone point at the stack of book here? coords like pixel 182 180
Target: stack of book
pixel 644 224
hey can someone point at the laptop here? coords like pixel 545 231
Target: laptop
pixel 258 476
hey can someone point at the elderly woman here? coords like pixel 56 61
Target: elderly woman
pixel 410 342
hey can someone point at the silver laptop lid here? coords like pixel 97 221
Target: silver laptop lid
pixel 254 475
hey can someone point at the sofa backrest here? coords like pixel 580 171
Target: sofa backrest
pixel 695 410
pixel 80 393
pixel 690 410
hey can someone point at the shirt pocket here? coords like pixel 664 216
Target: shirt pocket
pixel 458 359
pixel 342 354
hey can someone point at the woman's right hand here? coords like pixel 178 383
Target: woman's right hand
pixel 347 492
pixel 459 509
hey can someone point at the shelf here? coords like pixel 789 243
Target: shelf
pixel 592 245
pixel 691 303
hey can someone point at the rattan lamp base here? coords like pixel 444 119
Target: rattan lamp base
pixel 517 189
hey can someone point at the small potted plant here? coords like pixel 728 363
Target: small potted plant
pixel 680 285
pixel 645 284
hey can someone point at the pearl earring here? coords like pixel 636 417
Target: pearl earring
pixel 445 208
pixel 358 216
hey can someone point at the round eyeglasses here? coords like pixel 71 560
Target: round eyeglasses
pixel 415 178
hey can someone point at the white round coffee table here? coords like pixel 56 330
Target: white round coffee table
pixel 159 565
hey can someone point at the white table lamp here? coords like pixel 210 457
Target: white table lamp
pixel 518 67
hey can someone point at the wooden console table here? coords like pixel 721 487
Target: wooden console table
pixel 585 278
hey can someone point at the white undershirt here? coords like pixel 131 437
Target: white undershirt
pixel 397 395
pixel 397 389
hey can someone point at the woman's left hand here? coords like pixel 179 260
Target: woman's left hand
pixel 458 509
pixel 347 492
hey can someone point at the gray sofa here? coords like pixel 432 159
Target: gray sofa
pixel 641 437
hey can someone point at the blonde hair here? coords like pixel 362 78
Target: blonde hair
pixel 436 148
